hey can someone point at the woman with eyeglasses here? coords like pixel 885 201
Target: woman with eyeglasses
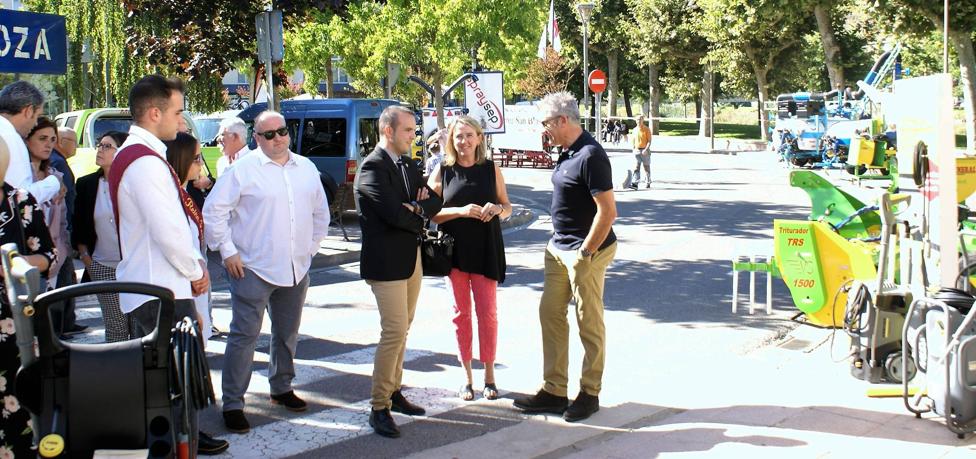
pixel 95 236
pixel 40 144
pixel 183 154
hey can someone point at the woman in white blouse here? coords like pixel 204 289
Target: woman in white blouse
pixel 95 236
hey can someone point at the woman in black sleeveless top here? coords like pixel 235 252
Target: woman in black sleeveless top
pixel 474 202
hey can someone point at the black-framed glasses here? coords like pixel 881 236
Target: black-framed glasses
pixel 282 131
pixel 547 123
pixel 104 146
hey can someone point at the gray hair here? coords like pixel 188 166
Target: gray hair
pixel 264 116
pixel 19 95
pixel 560 103
pixel 63 131
pixel 390 116
pixel 234 125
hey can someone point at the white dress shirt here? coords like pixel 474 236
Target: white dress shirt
pixel 160 245
pixel 19 172
pixel 223 163
pixel 274 216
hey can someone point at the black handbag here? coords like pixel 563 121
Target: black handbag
pixel 436 252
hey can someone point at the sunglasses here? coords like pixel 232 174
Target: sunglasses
pixel 282 131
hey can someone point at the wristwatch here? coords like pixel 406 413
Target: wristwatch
pixel 586 253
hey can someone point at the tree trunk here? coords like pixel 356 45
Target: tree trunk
pixel 967 78
pixel 830 46
pixel 630 111
pixel 612 88
pixel 698 107
pixel 705 126
pixel 329 84
pixel 437 81
pixel 654 88
pixel 762 86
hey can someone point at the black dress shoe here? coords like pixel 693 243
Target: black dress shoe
pixel 290 401
pixel 382 423
pixel 542 402
pixel 583 407
pixel 235 421
pixel 210 446
pixel 402 405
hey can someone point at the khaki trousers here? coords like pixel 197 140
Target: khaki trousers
pixel 570 277
pixel 396 302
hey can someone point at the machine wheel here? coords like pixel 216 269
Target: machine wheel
pixel 861 169
pixel 798 162
pixel 893 369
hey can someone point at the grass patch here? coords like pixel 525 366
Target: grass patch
pixel 722 130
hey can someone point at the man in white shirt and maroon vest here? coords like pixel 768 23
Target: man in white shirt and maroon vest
pixel 159 227
pixel 267 215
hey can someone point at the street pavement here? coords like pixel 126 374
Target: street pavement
pixel 684 376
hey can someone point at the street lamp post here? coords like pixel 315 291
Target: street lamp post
pixel 585 11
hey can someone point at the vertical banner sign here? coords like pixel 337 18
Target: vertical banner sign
pixel 922 110
pixel 484 96
pixel 32 43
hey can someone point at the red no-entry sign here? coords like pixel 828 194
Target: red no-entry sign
pixel 597 81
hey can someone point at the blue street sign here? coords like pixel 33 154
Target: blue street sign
pixel 32 43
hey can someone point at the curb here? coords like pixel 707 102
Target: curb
pixel 330 256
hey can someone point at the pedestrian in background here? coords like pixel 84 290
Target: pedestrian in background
pixel 642 153
pixel 95 235
pixel 393 201
pixel 475 200
pixel 582 246
pixel 21 104
pixel 21 223
pixel 232 139
pixel 183 154
pixel 267 215
pixel 40 144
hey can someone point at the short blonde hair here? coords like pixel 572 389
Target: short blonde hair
pixel 480 152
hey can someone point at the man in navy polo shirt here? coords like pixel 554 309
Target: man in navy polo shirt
pixel 582 246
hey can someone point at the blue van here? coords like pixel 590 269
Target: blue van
pixel 336 134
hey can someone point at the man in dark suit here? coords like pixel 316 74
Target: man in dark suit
pixel 393 201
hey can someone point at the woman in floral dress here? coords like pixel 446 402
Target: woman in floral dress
pixel 21 222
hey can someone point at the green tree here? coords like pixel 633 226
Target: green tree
pixel 752 34
pixel 545 76
pixel 97 27
pixel 310 46
pixel 919 17
pixel 668 37
pixel 434 39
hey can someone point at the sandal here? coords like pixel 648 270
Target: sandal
pixel 490 392
pixel 466 393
